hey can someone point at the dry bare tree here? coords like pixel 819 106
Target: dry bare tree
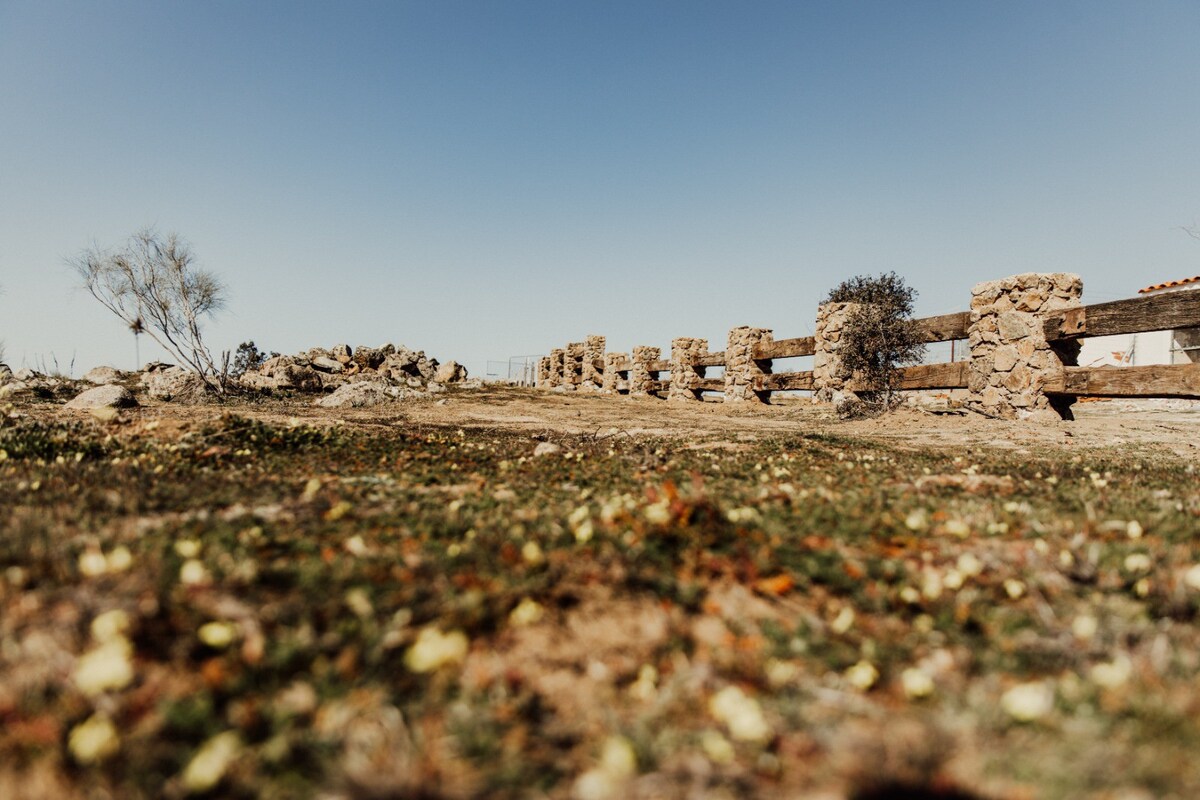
pixel 153 285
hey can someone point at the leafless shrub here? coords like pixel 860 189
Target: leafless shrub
pixel 153 285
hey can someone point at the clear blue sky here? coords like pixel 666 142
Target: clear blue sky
pixel 485 179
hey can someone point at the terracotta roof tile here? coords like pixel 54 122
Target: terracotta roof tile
pixel 1169 284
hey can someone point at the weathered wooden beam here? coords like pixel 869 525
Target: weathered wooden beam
pixel 658 386
pixel 710 384
pixel 1161 312
pixel 662 365
pixel 785 348
pixel 711 360
pixel 946 327
pixel 781 381
pixel 1160 380
pixel 935 376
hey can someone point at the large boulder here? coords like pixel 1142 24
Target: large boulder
pixel 257 382
pixel 103 376
pixel 400 365
pixel 362 394
pixel 327 364
pixel 450 372
pixel 369 357
pixel 298 376
pixel 12 388
pixel 176 385
pixel 103 397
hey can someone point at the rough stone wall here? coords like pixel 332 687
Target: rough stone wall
pixel 573 366
pixel 741 370
pixel 685 375
pixel 1010 357
pixel 556 368
pixel 612 381
pixel 829 376
pixel 593 352
pixel 639 372
pixel 543 373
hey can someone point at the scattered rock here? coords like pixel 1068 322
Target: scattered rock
pixel 327 364
pixel 104 376
pixel 450 372
pixel 363 394
pixel 177 385
pixel 156 366
pixel 103 397
pixel 12 388
pixel 546 449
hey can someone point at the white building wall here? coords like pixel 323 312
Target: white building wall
pixel 1129 350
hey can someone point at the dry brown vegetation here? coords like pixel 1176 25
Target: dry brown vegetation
pixel 274 600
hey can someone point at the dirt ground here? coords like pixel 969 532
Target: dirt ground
pixel 1175 427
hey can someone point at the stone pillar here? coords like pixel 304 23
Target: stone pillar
pixel 741 370
pixel 639 370
pixel 614 364
pixel 830 378
pixel 685 375
pixel 593 354
pixel 1010 357
pixel 543 373
pixel 573 366
pixel 555 376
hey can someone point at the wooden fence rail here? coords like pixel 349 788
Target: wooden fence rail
pixel 1137 315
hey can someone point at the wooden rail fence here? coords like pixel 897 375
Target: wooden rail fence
pixel 1021 342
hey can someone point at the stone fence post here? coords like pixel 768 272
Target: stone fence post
pixel 741 370
pixel 543 373
pixel 593 351
pixel 611 383
pixel 830 378
pixel 685 375
pixel 554 377
pixel 573 366
pixel 639 371
pixel 1010 357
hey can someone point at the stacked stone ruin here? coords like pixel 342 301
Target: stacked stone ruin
pixel 1011 360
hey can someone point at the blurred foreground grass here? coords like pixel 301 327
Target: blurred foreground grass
pixel 242 609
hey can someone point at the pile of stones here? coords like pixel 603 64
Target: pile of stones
pixel 365 376
pixel 321 369
pixel 361 376
pixel 31 382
